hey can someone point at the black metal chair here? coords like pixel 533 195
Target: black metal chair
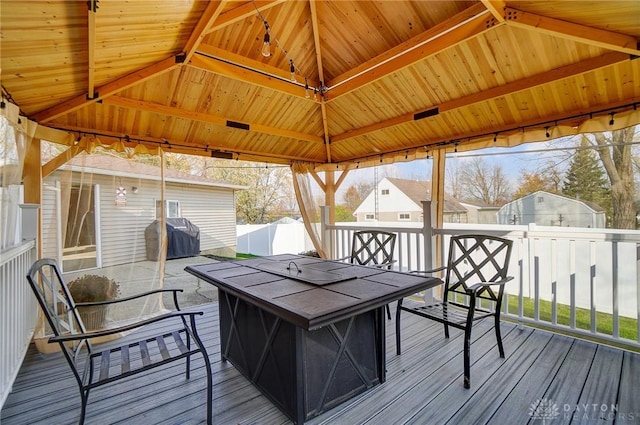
pixel 476 268
pixel 93 368
pixel 373 248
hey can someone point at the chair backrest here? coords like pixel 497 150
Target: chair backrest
pixel 474 259
pixel 58 306
pixel 372 247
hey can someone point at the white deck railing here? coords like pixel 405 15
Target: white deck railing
pixel 18 312
pixel 582 281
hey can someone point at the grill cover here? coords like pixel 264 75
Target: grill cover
pixel 183 239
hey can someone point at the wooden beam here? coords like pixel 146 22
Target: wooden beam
pixel 107 90
pixel 156 108
pixel 239 73
pixel 251 64
pixel 209 16
pixel 60 160
pixel 575 32
pixel 495 92
pixel 323 106
pixel 496 7
pixel 318 180
pixel 239 13
pixel 110 137
pixel 467 24
pixel 91 46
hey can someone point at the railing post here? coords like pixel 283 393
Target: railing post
pixel 325 231
pixel 428 221
pixel 29 221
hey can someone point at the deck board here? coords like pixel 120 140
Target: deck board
pixel 420 386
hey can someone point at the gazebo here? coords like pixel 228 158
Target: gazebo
pixel 325 86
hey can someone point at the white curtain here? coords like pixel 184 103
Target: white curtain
pixel 306 202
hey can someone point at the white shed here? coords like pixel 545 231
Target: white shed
pixel 549 209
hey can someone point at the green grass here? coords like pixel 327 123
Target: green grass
pixel 627 327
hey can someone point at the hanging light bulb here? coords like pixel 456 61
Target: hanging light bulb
pixel 292 68
pixel 266 46
pixel 306 89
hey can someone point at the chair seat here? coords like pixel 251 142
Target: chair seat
pixel 118 362
pixel 446 312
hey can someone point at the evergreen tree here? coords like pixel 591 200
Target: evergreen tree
pixel 586 179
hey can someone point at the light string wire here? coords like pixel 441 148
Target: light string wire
pixel 292 63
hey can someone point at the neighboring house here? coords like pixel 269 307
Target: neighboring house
pixel 549 209
pixel 480 213
pixel 96 209
pixel 401 200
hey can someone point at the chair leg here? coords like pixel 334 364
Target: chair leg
pixel 84 396
pixel 388 312
pixel 188 362
pixel 398 310
pixel 467 357
pixel 207 364
pixel 499 336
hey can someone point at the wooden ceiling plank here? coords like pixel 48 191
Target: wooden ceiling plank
pixel 246 75
pixel 240 13
pixel 467 24
pixel 107 90
pixel 492 93
pixel 564 118
pixel 208 17
pixel 496 7
pixel 251 64
pixel 156 108
pixel 568 30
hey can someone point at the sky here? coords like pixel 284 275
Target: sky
pixel 528 157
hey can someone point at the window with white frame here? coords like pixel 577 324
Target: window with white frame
pixel 404 216
pixel 385 191
pixel 172 209
pixel 369 217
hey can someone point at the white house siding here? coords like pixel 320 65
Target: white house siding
pixel 212 210
pixel 50 220
pixel 122 228
pixel 390 205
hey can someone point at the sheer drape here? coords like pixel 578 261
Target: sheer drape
pixel 15 134
pixel 307 204
pixel 103 215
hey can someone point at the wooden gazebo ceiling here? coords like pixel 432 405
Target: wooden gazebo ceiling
pixel 397 76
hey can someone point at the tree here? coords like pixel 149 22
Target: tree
pixel 585 179
pixel 614 149
pixel 533 182
pixel 482 182
pixel 266 194
pixel 355 194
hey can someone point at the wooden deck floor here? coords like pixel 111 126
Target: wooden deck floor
pixel 424 385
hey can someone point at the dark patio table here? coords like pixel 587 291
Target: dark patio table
pixel 308 332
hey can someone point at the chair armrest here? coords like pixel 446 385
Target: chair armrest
pixel 428 271
pixel 477 286
pixel 132 297
pixel 88 335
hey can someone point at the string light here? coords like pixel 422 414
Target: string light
pixel 292 68
pixel 611 121
pixel 266 52
pixel 546 129
pixel 266 45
